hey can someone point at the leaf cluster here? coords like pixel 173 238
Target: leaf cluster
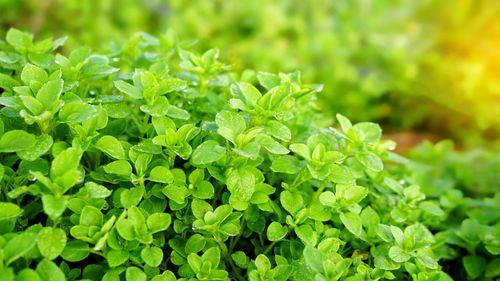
pixel 153 162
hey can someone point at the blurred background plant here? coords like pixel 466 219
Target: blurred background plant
pixel 419 66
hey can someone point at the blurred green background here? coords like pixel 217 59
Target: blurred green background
pixel 427 69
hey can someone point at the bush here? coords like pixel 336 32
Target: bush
pixel 152 162
pixel 416 65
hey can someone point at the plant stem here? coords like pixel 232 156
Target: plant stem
pixel 318 192
pixel 145 124
pixel 228 258
pixel 233 242
pixel 270 247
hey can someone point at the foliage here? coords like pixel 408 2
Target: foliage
pixel 153 162
pixel 411 64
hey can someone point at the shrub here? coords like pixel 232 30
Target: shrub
pixel 151 162
pixel 377 59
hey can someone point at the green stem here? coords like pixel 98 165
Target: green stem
pixel 228 258
pixel 136 122
pixel 171 158
pixel 270 247
pixel 97 253
pixel 145 124
pixel 302 177
pixel 318 192
pixel 233 242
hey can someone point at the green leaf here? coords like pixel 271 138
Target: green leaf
pixel 79 55
pixel 32 72
pixel 286 164
pixel 474 265
pixel 117 257
pixel 345 124
pixel 152 256
pixel 354 194
pixel 271 145
pixel 398 234
pixel 203 190
pixel 64 162
pixel 7 83
pixel 42 145
pixel 131 197
pixel 49 93
pixel 171 84
pixel 9 211
pixel 19 39
pixel 119 167
pixel 367 131
pixel 340 174
pixel 18 246
pixel 51 242
pixel 306 235
pixel 178 113
pixel 398 255
pixel 240 259
pixel 161 174
pixel 195 243
pixel 48 271
pixel 128 89
pixel 384 232
pixel 194 262
pixel 158 222
pixel 427 261
pixel 90 215
pixel 268 80
pixel 200 208
pixel 75 251
pixel 111 146
pixel 278 130
pixel 313 259
pixel 302 150
pixel 54 206
pixel 231 121
pixel 493 268
pixel 370 160
pixel 352 222
pixel 277 96
pixel 160 107
pixel 241 183
pixel 76 112
pixel 276 232
pixel 177 193
pixel 393 185
pixel 431 207
pixel 135 274
pixel 16 140
pixel 249 92
pixel 113 274
pixel 292 201
pixel 94 190
pixel 207 153
pixel 125 228
pixel 27 274
pixel 327 198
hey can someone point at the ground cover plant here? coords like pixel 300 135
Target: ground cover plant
pixel 423 66
pixel 148 161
